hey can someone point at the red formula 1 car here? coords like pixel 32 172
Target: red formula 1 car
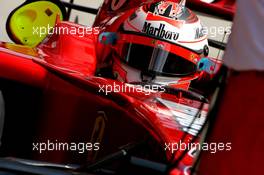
pixel 66 116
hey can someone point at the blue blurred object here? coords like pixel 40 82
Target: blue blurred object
pixel 108 38
pixel 207 65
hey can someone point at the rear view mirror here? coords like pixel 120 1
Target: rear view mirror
pixel 25 22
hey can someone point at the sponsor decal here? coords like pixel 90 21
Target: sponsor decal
pixel 154 42
pixel 199 32
pixel 98 133
pixel 175 23
pixel 159 32
pixel 193 58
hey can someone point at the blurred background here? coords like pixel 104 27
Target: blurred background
pixel 212 23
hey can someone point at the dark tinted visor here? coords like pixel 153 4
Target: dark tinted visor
pixel 156 60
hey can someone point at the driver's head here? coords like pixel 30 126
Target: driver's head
pixel 161 42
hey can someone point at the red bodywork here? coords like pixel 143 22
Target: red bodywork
pixel 69 102
pixel 222 8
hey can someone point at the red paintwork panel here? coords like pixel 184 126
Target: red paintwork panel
pixel 225 8
pixel 20 67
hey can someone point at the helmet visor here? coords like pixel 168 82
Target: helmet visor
pixel 158 58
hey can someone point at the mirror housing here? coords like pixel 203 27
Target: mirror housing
pixel 25 22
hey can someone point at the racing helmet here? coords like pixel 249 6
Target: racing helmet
pixel 160 43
